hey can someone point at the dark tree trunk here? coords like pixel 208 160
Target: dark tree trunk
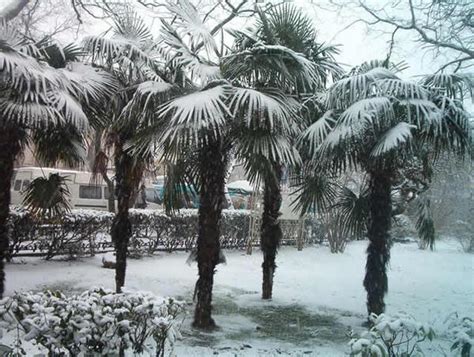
pixel 213 164
pixel 271 233
pixel 378 251
pixel 9 148
pixel 121 226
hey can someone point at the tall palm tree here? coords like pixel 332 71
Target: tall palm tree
pixel 373 119
pixel 219 113
pixel 129 55
pixel 284 25
pixel 39 92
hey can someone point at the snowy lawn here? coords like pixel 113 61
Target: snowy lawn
pixel 318 296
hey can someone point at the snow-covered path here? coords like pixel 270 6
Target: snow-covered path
pixel 428 285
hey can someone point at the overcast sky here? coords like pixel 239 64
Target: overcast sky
pixel 357 44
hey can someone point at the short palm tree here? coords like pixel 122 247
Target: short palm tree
pixel 284 25
pixel 372 122
pixel 39 92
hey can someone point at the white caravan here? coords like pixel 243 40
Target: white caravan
pixel 84 193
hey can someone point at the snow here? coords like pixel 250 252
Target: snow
pixel 427 285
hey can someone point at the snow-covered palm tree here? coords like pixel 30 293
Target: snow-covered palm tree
pixel 129 54
pixel 41 95
pixel 372 122
pixel 223 110
pixel 288 27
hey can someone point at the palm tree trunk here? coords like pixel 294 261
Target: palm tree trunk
pixel 213 165
pixel 9 148
pixel 271 233
pixel 121 226
pixel 378 251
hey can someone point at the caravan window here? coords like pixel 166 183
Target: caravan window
pixel 26 183
pixel 17 186
pixel 93 192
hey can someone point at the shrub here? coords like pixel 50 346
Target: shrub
pixel 460 330
pixel 97 321
pixel 399 335
pixel 82 232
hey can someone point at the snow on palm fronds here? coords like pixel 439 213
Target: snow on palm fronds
pixel 453 85
pixel 394 137
pixel 202 112
pixel 89 83
pixel 357 87
pixel 258 109
pixel 189 22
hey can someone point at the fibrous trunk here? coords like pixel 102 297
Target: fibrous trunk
pixel 213 164
pixel 121 226
pixel 378 251
pixel 271 233
pixel 9 149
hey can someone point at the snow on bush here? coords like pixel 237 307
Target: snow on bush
pixel 391 336
pixel 459 330
pixel 98 321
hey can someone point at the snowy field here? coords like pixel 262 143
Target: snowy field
pixel 318 296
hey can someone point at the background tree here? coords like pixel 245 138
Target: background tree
pixel 444 28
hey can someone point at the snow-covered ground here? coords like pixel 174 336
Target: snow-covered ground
pixel 318 296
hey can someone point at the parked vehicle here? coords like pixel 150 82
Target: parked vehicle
pixel 156 194
pixel 85 193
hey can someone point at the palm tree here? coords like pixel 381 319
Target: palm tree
pixel 130 56
pixel 372 122
pixel 284 25
pixel 39 93
pixel 219 113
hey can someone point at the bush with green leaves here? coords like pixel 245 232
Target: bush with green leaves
pixel 98 321
pixel 392 336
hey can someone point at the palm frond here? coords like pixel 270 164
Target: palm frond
pixel 202 112
pixel 188 21
pixel 315 134
pixel 361 86
pixel 48 196
pixel 452 85
pixel 313 192
pixel 272 64
pixel 59 144
pixel 70 108
pixel 393 138
pixel 353 210
pixel 90 84
pixel 176 52
pixel 258 109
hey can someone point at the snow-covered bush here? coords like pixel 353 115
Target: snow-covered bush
pixel 97 321
pixel 460 331
pixel 392 336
